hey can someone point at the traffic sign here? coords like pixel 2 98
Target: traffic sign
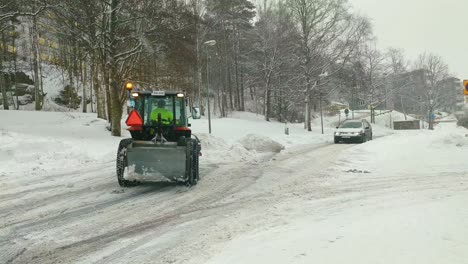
pixel 465 87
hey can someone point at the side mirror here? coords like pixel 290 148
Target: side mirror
pixel 367 127
pixel 196 113
pixel 189 125
pixel 337 127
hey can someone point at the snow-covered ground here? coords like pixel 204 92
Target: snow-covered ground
pixel 399 199
pixel 264 197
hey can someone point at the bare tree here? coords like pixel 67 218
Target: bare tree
pixel 10 11
pixel 329 33
pixel 436 70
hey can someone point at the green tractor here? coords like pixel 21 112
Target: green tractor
pixel 162 147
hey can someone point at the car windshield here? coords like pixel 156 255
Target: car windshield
pixel 351 125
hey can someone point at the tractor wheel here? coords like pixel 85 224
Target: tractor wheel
pixel 196 165
pixel 122 163
pixel 191 163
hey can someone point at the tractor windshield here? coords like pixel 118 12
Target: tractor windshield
pixel 169 109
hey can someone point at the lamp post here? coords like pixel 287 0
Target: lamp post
pixel 208 43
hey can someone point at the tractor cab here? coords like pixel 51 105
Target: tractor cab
pixel 159 116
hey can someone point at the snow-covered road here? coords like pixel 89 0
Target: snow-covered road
pixel 397 199
pixel 89 218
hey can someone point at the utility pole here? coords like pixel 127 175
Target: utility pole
pixel 208 43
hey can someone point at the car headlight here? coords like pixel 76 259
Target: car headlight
pixel 337 133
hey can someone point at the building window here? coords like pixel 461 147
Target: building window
pixel 361 103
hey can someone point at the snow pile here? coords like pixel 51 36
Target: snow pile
pixel 234 128
pixel 407 151
pixel 38 143
pixel 217 150
pixel 452 139
pixel 261 144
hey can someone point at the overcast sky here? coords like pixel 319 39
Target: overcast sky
pixel 438 26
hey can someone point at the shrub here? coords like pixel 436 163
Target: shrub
pixel 463 121
pixel 68 97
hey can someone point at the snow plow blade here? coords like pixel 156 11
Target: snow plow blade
pixel 148 161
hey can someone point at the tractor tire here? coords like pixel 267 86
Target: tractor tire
pixel 192 174
pixel 196 164
pixel 121 163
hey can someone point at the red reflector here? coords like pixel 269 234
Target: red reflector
pixel 134 119
pixel 182 129
pixel 135 128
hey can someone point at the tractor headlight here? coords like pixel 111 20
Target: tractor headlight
pixel 135 94
pixel 180 95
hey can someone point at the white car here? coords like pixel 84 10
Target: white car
pixel 353 130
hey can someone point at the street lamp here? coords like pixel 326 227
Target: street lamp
pixel 208 43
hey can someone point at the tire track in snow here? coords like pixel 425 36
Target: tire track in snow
pixel 203 200
pixel 208 196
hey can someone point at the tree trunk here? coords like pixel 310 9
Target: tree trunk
pixel 4 92
pixel 308 101
pixel 267 102
pixel 116 106
pixel 229 77
pixel 15 69
pixel 36 62
pixel 98 92
pixel 91 85
pixel 83 86
pixel 236 60
pixel 2 75
pixel 242 99
pixel 431 121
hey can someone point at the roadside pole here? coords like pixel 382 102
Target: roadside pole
pixel 465 92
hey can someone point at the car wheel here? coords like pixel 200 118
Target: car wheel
pixel 336 141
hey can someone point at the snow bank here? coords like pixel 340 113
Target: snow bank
pixel 216 150
pixel 234 129
pixel 451 140
pixel 38 143
pixel 415 151
pixel 261 144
